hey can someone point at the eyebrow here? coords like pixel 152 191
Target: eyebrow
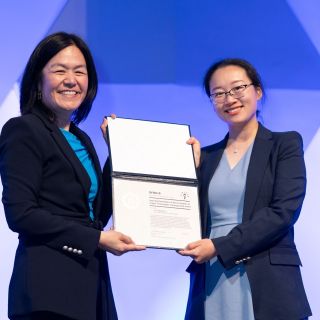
pixel 233 82
pixel 66 67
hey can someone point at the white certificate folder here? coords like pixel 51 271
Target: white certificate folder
pixel 154 183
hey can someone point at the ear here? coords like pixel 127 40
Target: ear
pixel 259 93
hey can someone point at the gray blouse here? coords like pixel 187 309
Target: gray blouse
pixel 228 293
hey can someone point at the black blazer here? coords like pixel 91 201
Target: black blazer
pixel 58 266
pixel 264 241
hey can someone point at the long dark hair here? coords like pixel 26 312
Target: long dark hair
pixel 44 51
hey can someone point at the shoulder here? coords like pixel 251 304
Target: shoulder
pixel 288 139
pixel 280 139
pixel 287 135
pixel 277 136
pixel 24 130
pixel 20 124
pixel 287 144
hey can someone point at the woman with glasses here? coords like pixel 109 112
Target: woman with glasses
pixel 252 185
pixel 54 194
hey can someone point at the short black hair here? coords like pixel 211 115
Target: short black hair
pixel 44 51
pixel 250 70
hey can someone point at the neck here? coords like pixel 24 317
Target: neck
pixel 63 123
pixel 243 133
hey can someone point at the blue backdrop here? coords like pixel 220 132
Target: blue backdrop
pixel 151 56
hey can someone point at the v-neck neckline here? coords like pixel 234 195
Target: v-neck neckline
pixel 240 160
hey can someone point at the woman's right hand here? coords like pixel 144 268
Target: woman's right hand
pixel 196 149
pixel 117 243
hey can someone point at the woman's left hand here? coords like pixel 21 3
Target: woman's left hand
pixel 200 251
pixel 104 125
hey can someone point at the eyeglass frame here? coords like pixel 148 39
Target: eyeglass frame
pixel 226 93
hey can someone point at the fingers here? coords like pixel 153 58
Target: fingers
pixel 134 247
pixel 195 254
pixel 117 243
pixel 196 149
pixel 193 245
pixel 125 239
pixel 190 249
pixel 200 251
pixel 104 123
pixel 192 141
pixel 124 248
pixel 130 245
pixel 103 127
pixel 185 252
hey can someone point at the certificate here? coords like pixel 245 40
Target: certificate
pixel 154 184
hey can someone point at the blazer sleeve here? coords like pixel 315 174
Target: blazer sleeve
pixel 106 192
pixel 21 164
pixel 273 220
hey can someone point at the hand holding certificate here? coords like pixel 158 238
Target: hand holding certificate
pixel 155 194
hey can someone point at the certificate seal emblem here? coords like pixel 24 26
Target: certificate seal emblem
pixel 130 200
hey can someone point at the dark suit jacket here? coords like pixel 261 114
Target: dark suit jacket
pixel 58 266
pixel 264 241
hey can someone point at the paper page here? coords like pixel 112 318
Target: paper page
pixel 151 148
pixel 156 214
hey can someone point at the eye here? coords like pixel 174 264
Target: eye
pixel 218 94
pixel 238 88
pixel 59 71
pixel 80 72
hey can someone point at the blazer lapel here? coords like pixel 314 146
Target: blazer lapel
pixel 87 142
pixel 211 163
pixel 208 168
pixel 257 165
pixel 68 152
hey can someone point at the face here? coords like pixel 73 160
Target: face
pixel 64 82
pixel 230 109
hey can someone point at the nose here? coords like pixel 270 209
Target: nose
pixel 69 80
pixel 229 99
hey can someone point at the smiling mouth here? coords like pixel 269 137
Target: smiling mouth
pixel 233 110
pixel 69 92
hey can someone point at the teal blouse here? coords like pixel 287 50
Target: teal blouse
pixel 84 157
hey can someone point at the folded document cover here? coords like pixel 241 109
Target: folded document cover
pixel 154 183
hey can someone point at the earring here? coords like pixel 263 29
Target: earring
pixel 39 95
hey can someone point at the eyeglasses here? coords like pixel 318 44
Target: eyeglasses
pixel 235 92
